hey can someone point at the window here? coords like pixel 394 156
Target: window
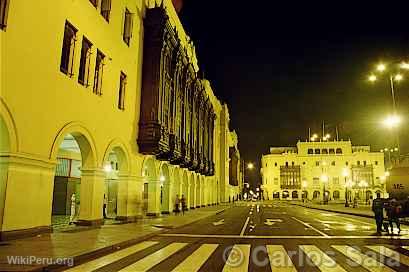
pixel 317 151
pixel 94 3
pixel 286 164
pixel 315 181
pixel 339 151
pixel 325 151
pixel 292 163
pixel 310 151
pixel 4 6
pixel 364 163
pixel 85 60
pixel 303 163
pixel 106 9
pixel 99 69
pixel 335 180
pixel 68 48
pixel 275 181
pixel 128 27
pixel 121 96
pixel 376 162
pixel 317 163
pixel 333 163
pixel 275 164
pixel 331 151
pixel 358 162
pixel 346 163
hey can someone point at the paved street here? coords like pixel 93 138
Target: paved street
pixel 267 236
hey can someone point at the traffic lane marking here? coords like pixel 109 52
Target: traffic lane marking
pixel 386 238
pixel 309 226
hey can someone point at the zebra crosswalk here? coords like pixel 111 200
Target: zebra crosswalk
pixel 241 257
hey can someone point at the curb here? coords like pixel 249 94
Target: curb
pixel 82 258
pixel 343 212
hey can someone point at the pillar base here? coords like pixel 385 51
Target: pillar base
pixel 127 219
pixel 92 223
pixel 24 233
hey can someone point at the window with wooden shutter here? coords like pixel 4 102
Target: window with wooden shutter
pixel 128 23
pixel 68 49
pixel 106 9
pixel 99 69
pixel 4 5
pixel 83 75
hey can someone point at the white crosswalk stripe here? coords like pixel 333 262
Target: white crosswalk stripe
pixel 279 259
pixel 238 259
pixel 197 259
pixel 154 259
pixel 394 255
pixel 321 260
pixel 100 262
pixel 240 255
pixel 360 258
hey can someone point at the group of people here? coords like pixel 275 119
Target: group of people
pixel 393 210
pixel 180 202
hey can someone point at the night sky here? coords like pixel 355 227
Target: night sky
pixel 285 67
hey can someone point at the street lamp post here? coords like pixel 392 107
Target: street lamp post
pixel 345 173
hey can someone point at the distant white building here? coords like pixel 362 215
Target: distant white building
pixel 310 168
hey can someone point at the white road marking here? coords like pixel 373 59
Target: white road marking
pixel 311 227
pixel 220 222
pixel 234 261
pixel 321 260
pixel 279 259
pixel 197 259
pixel 367 262
pixel 244 227
pixel 385 251
pixel 405 247
pixel 113 257
pixel 281 237
pixel 151 260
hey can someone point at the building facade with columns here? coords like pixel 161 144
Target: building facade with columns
pixel 102 102
pixel 311 168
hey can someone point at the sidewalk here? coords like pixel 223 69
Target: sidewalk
pixel 363 211
pixel 83 244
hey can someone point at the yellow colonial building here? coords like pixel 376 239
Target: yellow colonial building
pixel 103 104
pixel 312 168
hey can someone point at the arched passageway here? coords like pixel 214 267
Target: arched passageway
pixel 192 182
pixel 151 188
pixel 198 192
pixel 185 189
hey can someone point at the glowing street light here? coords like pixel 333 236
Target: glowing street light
pixel 250 166
pixel 398 77
pixel 372 78
pixel 108 168
pixel 387 174
pixel 392 121
pixel 404 65
pixel 381 67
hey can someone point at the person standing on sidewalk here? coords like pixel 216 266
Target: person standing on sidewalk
pixel 104 207
pixel 177 205
pixel 72 216
pixel 393 214
pixel 377 208
pixel 183 200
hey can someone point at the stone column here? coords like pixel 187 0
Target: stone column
pixel 153 198
pixel 129 198
pixel 91 197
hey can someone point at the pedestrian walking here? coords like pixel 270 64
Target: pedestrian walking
pixel 394 211
pixel 183 200
pixel 72 215
pixel 377 208
pixel 177 205
pixel 104 207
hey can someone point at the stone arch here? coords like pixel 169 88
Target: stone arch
pixel 335 195
pixel 165 189
pixel 85 142
pixel 8 131
pixel 150 186
pixel 122 154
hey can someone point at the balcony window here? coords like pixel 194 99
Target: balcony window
pixel 128 25
pixel 4 6
pixel 106 9
pixel 99 70
pixel 310 151
pixel 121 95
pixel 317 151
pixel 339 151
pixel 68 49
pixel 331 151
pixel 85 60
pixel 325 151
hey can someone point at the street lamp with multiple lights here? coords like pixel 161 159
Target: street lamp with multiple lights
pixel 392 121
pixel 324 179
